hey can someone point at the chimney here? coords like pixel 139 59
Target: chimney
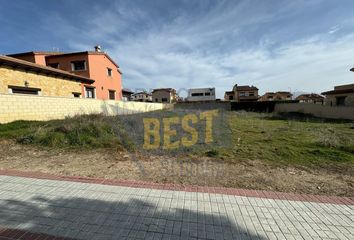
pixel 97 48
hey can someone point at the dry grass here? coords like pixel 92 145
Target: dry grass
pixel 252 174
pixel 263 152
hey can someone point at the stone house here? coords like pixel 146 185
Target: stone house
pixel 242 94
pixel 24 77
pixel 342 95
pixel 310 98
pixel 268 96
pixel 96 65
pixel 127 94
pixel 229 96
pixel 141 97
pixel 276 96
pixel 164 95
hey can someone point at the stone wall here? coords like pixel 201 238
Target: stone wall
pixel 207 105
pixel 317 110
pixel 49 85
pixel 27 107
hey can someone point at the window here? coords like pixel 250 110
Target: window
pixel 231 97
pixel 242 94
pixel 90 92
pixel 340 101
pixel 53 65
pixel 109 72
pixel 156 100
pixel 207 94
pixel 197 94
pixel 24 90
pixel 251 94
pixel 78 66
pixel 76 94
pixel 112 94
pixel 164 100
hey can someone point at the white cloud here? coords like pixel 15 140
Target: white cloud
pixel 334 29
pixel 210 49
pixel 312 65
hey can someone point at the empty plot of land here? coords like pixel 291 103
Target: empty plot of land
pixel 302 155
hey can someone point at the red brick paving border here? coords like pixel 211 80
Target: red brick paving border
pixel 16 234
pixel 187 188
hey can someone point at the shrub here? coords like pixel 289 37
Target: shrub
pixel 212 153
pixel 88 131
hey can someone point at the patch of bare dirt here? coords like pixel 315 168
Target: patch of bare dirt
pixel 113 164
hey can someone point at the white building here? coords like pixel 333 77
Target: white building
pixel 201 94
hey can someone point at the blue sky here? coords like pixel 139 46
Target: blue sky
pixel 275 45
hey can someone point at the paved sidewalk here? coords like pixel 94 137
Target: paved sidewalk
pixel 94 211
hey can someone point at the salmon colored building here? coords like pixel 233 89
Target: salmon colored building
pixel 94 65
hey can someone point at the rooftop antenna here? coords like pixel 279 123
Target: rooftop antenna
pixel 97 48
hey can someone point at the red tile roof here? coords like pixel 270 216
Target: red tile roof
pixel 282 92
pixel 164 89
pixel 342 91
pixel 34 53
pixel 85 52
pixel 14 62
pixel 59 54
pixel 146 93
pixel 269 93
pixel 126 90
pixel 309 96
pixel 245 88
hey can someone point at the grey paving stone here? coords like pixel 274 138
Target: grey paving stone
pixel 93 211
